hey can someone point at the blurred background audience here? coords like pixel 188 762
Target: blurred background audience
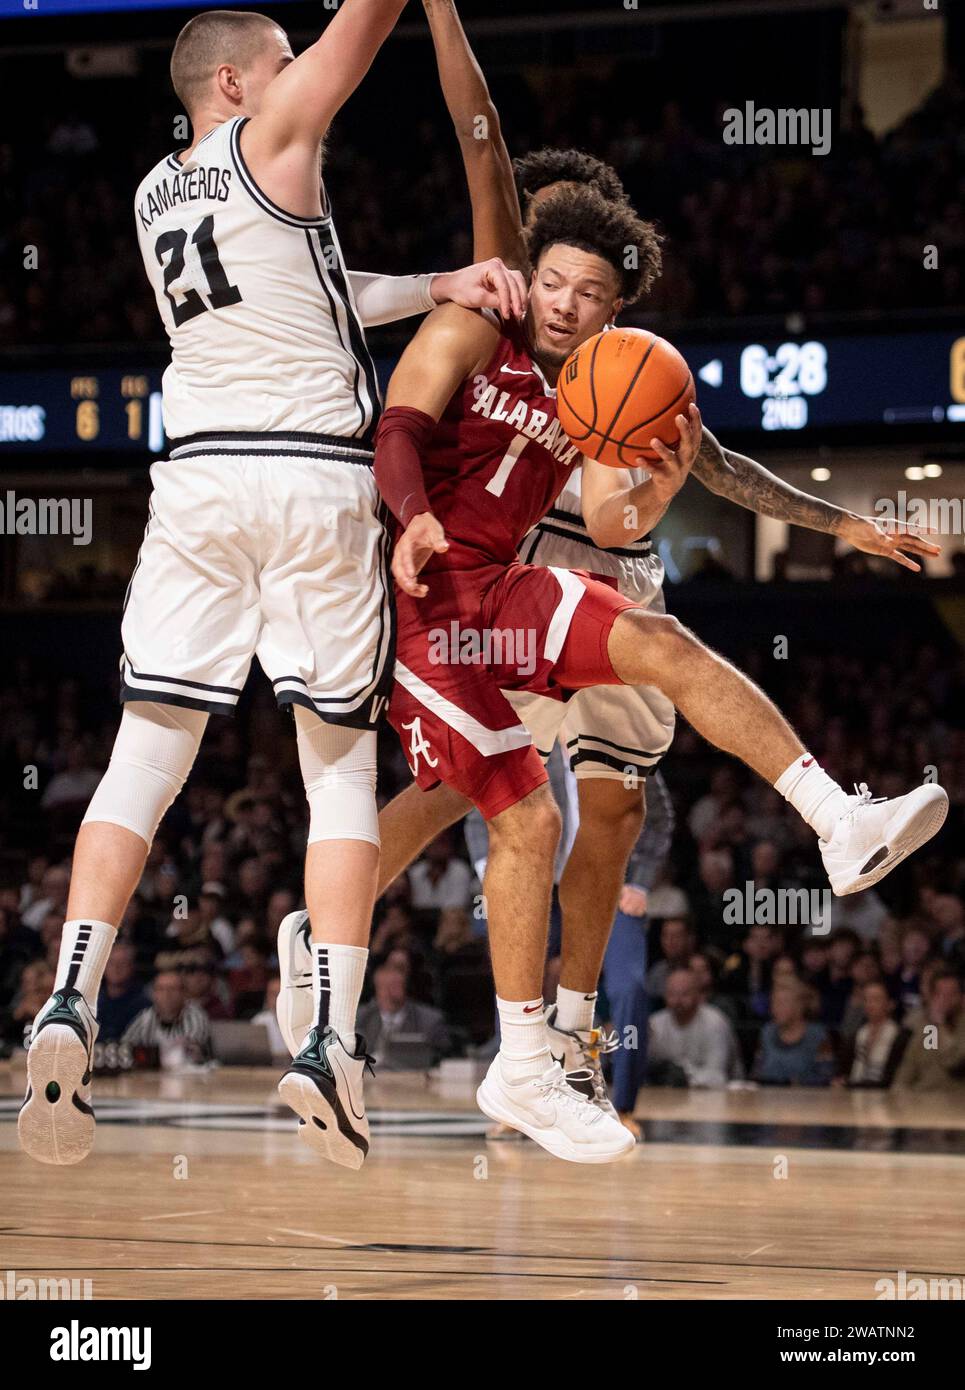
pixel 740 984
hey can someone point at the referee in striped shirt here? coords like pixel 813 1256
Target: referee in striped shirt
pixel 171 1020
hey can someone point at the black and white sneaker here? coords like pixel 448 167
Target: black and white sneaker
pixel 323 1086
pixel 581 1053
pixel 56 1122
pixel 295 1009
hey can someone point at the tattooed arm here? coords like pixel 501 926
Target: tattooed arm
pixel 750 485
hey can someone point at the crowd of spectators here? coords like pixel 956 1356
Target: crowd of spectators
pixel 751 229
pixel 865 990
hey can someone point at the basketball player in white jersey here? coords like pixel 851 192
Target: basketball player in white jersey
pixel 615 735
pixel 264 536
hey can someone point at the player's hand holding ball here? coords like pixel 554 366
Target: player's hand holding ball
pixel 668 472
pixel 422 538
pixel 626 398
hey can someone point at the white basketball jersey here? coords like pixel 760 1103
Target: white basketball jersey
pixel 265 335
pixel 561 538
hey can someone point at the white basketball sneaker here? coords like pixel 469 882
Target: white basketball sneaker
pixel 323 1086
pixel 548 1110
pixel 294 1008
pixel 582 1052
pixel 56 1122
pixel 874 835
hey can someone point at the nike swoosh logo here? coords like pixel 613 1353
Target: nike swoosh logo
pixel 807 762
pixel 348 1087
pixel 532 1008
pixel 514 371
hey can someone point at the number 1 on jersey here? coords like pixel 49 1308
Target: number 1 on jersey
pixel 500 478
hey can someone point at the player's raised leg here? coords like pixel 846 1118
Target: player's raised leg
pixel 862 839
pixel 153 754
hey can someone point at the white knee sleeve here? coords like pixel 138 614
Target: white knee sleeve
pixel 338 769
pixel 153 753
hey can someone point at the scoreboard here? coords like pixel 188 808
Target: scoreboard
pixel 829 382
pixel 41 8
pixel 81 412
pixel 771 387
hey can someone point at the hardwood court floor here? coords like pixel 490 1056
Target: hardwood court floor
pixel 199 1188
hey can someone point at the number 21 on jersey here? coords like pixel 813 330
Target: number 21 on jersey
pixel 220 293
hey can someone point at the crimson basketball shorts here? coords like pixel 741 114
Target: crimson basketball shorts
pixel 477 633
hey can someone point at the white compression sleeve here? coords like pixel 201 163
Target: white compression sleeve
pixel 386 298
pixel 153 753
pixel 338 769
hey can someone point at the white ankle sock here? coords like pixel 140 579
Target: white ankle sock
pixel 524 1050
pixel 574 1009
pixel 84 948
pixel 813 794
pixel 337 979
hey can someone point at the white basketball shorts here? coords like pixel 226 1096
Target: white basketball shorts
pixel 618 732
pixel 269 546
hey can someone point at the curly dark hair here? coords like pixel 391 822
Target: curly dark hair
pixel 542 167
pixel 582 217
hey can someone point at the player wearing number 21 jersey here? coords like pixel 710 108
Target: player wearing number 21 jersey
pixel 264 536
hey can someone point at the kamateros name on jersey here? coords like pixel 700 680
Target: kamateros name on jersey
pixel 527 421
pixel 203 182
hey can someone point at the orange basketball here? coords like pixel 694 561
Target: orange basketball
pixel 619 390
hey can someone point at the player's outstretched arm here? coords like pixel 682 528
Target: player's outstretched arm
pixel 497 225
pixel 298 105
pixel 451 345
pixel 616 510
pixel 486 285
pixel 751 485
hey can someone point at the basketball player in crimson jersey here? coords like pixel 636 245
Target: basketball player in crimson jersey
pixel 615 736
pixel 637 718
pixel 469 454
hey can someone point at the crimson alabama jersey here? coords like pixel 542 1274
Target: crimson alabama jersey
pixel 495 464
pixel 498 458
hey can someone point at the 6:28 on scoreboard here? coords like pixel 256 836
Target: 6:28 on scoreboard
pixel 834 380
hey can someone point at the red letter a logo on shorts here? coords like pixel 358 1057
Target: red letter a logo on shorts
pixel 419 744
